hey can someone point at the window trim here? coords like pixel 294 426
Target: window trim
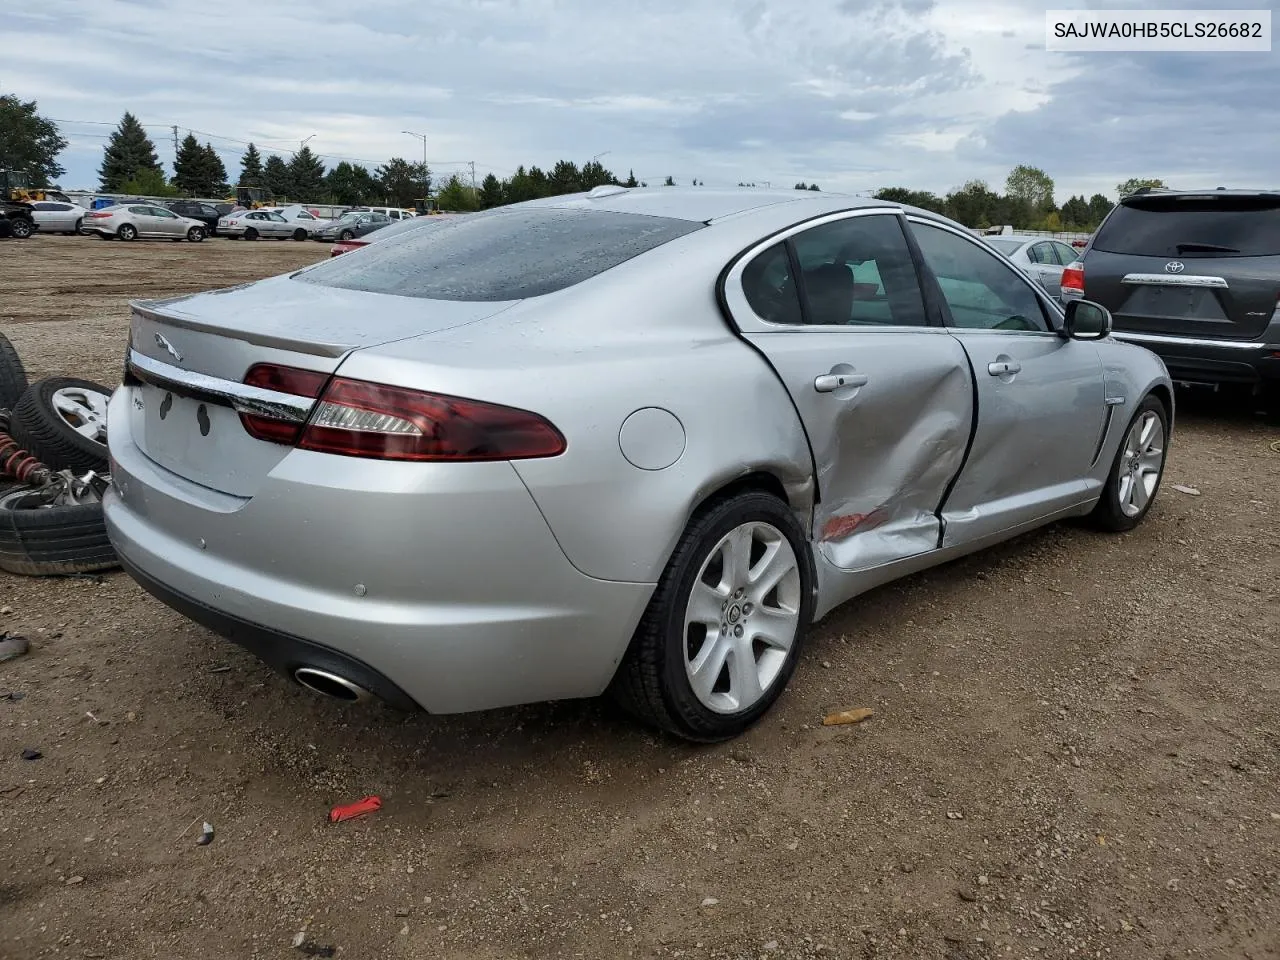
pixel 734 299
pixel 1053 314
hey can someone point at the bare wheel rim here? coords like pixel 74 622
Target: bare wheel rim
pixel 742 617
pixel 84 411
pixel 1141 464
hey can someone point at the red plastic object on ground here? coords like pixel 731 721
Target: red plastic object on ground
pixel 349 811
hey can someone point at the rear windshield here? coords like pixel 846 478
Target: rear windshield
pixel 500 254
pixel 1194 227
pixel 1007 247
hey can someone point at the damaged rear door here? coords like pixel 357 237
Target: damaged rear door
pixel 1041 403
pixel 886 399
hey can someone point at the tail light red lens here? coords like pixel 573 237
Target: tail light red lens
pixel 271 376
pixel 1073 278
pixel 99 216
pixel 355 418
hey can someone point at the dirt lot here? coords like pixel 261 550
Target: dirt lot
pixel 1075 751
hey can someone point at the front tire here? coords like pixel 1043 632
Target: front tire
pixel 1137 470
pixel 345 235
pixel 299 234
pixel 195 234
pixel 251 234
pixel 723 631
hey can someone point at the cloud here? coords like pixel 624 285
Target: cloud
pixel 853 94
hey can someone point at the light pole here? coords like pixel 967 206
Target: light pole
pixel 304 143
pixel 423 138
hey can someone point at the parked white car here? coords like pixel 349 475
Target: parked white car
pixel 297 214
pixel 56 217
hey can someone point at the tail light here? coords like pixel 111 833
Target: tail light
pixel 270 376
pixel 355 418
pixel 1073 278
pixel 99 216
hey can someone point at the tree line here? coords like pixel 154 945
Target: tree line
pixel 1026 204
pixel 31 144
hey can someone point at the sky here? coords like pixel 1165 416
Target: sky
pixel 851 94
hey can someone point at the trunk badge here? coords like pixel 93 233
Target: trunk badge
pixel 170 349
pixel 1173 266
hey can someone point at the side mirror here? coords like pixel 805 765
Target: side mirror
pixel 1086 320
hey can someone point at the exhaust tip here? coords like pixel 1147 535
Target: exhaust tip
pixel 330 685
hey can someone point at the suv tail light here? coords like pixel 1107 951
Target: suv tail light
pixel 1073 278
pixel 355 418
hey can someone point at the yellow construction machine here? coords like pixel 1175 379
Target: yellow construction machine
pixel 16 186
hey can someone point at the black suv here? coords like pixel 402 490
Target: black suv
pixel 206 213
pixel 16 220
pixel 1195 277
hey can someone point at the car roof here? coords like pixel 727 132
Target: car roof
pixel 705 204
pixel 1207 193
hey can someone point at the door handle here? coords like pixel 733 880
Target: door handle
pixel 830 382
pixel 1004 368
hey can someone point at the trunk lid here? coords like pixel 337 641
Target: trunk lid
pixel 1197 265
pixel 196 350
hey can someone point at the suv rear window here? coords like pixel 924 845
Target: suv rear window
pixel 1194 226
pixel 501 254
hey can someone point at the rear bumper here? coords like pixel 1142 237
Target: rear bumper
pixel 431 584
pixel 1214 361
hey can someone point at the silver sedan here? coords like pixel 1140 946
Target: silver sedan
pixel 129 221
pixel 632 441
pixel 252 224
pixel 1041 259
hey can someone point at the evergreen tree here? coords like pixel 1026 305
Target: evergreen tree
pixel 352 185
pixel 403 182
pixel 519 188
pixel 538 183
pixel 491 193
pixel 631 179
pixel 1099 207
pixel 669 182
pixel 275 177
pixel 251 168
pixel 306 175
pixel 814 186
pixel 215 172
pixel 457 196
pixel 190 168
pixel 594 174
pixel 564 178
pixel 29 143
pixel 128 153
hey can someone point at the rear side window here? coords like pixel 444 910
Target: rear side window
pixel 1185 227
pixel 500 254
pixel 770 288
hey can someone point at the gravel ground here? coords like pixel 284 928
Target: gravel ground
pixel 1075 750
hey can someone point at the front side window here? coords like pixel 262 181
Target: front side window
pixel 982 289
pixel 859 271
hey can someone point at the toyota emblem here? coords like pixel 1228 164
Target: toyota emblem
pixel 1174 266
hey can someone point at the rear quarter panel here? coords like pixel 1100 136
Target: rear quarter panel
pixel 646 334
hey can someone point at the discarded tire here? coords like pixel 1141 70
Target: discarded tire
pixel 63 422
pixel 37 539
pixel 13 378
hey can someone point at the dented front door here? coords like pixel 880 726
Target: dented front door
pixel 888 416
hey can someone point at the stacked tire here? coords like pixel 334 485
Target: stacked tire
pixel 61 421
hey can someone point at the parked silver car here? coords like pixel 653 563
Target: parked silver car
pixel 1041 259
pixel 252 224
pixel 610 441
pixel 129 221
pixel 55 216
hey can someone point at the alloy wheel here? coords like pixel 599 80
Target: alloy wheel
pixel 1141 464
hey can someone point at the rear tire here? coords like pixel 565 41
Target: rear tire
pixel 127 231
pixel 62 422
pixel 22 229
pixel 299 234
pixel 251 234
pixel 75 231
pixel 694 624
pixel 37 540
pixel 1137 470
pixel 13 377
